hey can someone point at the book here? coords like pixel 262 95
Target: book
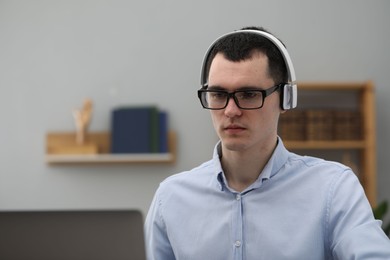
pixel 163 132
pixel 135 130
pixel 319 124
pixel 347 125
pixel 292 125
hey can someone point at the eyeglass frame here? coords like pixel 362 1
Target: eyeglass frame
pixel 264 93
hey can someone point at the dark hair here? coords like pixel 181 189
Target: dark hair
pixel 239 47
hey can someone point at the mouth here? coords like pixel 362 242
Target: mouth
pixel 233 129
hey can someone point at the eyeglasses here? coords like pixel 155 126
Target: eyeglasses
pixel 244 99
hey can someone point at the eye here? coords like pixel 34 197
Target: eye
pixel 248 94
pixel 217 95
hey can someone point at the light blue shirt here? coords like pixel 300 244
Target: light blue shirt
pixel 300 208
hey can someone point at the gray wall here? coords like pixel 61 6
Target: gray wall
pixel 53 54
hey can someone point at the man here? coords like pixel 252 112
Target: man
pixel 254 199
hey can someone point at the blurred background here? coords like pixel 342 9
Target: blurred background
pixel 54 54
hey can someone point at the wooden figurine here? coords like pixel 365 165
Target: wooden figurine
pixel 82 119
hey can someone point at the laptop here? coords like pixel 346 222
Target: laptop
pixel 72 235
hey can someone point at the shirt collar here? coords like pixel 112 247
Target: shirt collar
pixel 278 159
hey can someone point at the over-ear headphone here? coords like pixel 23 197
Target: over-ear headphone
pixel 288 91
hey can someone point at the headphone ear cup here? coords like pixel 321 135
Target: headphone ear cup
pixel 288 96
pixel 282 97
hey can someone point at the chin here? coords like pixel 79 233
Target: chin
pixel 233 145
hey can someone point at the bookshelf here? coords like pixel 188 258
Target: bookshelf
pixel 336 119
pixel 61 149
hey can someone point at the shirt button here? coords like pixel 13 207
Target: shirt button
pixel 237 243
pixel 238 196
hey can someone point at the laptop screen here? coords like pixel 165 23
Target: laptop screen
pixel 72 235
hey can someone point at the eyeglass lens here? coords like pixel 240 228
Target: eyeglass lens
pixel 243 99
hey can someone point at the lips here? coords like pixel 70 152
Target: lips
pixel 234 129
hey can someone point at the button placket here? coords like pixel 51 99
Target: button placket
pixel 238 226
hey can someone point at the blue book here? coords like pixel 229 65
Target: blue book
pixel 163 132
pixel 134 130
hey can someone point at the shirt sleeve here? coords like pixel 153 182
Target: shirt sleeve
pixel 353 231
pixel 156 239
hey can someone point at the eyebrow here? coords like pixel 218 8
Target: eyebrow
pixel 243 88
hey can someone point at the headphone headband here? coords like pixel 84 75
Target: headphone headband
pixel 290 89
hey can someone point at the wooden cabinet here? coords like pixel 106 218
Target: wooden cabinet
pixel 335 121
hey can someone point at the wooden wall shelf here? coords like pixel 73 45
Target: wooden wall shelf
pixel 324 145
pixel 110 158
pixel 61 148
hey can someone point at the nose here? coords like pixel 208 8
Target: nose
pixel 232 110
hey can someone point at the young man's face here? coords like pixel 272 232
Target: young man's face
pixel 239 129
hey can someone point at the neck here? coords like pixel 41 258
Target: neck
pixel 242 168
